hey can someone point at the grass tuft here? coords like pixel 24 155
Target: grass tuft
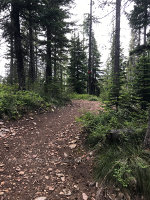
pixel 121 159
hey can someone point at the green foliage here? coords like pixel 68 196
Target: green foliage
pixel 77 69
pixel 83 96
pixel 55 93
pixel 118 138
pixel 15 103
pixel 142 80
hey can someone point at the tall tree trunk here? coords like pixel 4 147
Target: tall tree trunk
pixel 36 56
pixel 11 59
pixel 139 37
pixel 145 21
pixel 49 58
pixel 117 55
pixel 55 61
pixel 17 44
pixel 147 136
pixel 31 46
pixel 11 54
pixel 90 52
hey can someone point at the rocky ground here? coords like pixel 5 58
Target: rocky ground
pixel 42 156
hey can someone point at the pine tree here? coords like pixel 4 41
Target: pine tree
pixel 140 16
pixel 77 69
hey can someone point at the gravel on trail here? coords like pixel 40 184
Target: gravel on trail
pixel 42 156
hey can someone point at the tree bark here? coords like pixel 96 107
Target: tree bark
pixel 117 55
pixel 31 46
pixel 11 55
pixel 49 58
pixel 145 21
pixel 147 136
pixel 55 61
pixel 90 53
pixel 17 44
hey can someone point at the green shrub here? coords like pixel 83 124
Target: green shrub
pixel 83 96
pixel 15 103
pixel 118 138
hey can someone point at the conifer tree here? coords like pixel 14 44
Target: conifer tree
pixel 77 69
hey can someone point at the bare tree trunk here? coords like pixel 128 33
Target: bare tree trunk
pixel 49 58
pixel 31 46
pixel 139 37
pixel 55 61
pixel 17 44
pixel 11 55
pixel 147 136
pixel 145 21
pixel 90 52
pixel 117 55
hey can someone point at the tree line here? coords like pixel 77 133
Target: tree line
pixel 38 49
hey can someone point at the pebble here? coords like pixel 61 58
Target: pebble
pixel 2 134
pixel 72 146
pixel 85 197
pixel 65 155
pixel 50 188
pixel 40 198
pixel 67 192
pixel 78 160
pixel 21 173
pixel 1 193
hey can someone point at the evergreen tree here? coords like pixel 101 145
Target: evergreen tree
pixel 140 16
pixel 77 70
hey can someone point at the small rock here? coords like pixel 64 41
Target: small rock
pixel 61 193
pixel 2 134
pixel 65 155
pixel 72 146
pixel 18 169
pixel 85 197
pixel 63 179
pixel 91 153
pixel 60 175
pixel 76 187
pixel 40 198
pixel 5 129
pixel 46 177
pixel 50 188
pixel 1 165
pixel 66 192
pixel 120 196
pixel 2 183
pixel 78 160
pixel 92 184
pixel 73 141
pixel 1 123
pixel 96 184
pixel 1 170
pixel 21 173
pixel 50 170
pixel 1 193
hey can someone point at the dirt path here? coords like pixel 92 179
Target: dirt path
pixel 43 156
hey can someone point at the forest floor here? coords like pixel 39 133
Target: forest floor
pixel 43 156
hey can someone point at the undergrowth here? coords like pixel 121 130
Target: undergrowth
pixel 14 103
pixel 83 97
pixel 121 159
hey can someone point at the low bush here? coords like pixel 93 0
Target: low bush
pixel 83 96
pixel 15 103
pixel 121 159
